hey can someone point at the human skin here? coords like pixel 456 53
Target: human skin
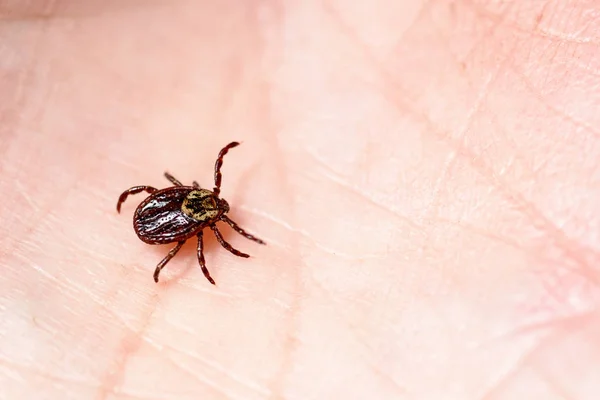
pixel 426 176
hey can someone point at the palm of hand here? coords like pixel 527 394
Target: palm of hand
pixel 432 230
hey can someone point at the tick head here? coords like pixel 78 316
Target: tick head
pixel 202 205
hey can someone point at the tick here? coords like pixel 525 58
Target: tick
pixel 178 213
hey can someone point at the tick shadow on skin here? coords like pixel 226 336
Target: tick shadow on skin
pixel 179 267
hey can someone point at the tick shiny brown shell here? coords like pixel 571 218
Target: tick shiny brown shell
pixel 178 213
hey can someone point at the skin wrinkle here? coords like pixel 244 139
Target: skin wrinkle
pixel 25 79
pixel 538 327
pixel 159 348
pixel 28 199
pixel 456 153
pixel 476 108
pixel 306 235
pixel 276 385
pixel 14 244
pixel 558 390
pixel 584 67
pixel 215 366
pixel 28 79
pixel 111 379
pixel 432 210
pixel 403 105
pixel 128 347
pixel 553 52
pixel 568 38
pixel 580 290
pixel 541 367
pixel 278 221
pixel 74 291
pixel 11 365
pixel 514 147
pixel 483 38
pixel 540 221
pixel 291 331
pixel 361 340
pixel 11 373
pixel 580 124
pixel 200 378
pixel 73 245
pixel 64 379
pixel 524 205
pixel 504 240
pixel 41 213
pixel 388 379
pixel 555 232
pixel 556 333
pixel 335 15
pixel 189 371
pixel 334 177
pixel 240 68
pixel 551 35
pixel 468 157
pixel 508 375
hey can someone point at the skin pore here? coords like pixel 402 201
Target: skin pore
pixel 425 174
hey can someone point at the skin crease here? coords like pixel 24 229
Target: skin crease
pixel 425 175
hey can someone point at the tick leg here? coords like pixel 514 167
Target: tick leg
pixel 196 185
pixel 133 190
pixel 225 244
pixel 218 165
pixel 201 259
pixel 239 230
pixel 172 179
pixel 165 260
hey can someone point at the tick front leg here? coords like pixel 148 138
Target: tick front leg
pixel 172 179
pixel 165 260
pixel 201 259
pixel 239 230
pixel 196 185
pixel 133 190
pixel 225 244
pixel 219 164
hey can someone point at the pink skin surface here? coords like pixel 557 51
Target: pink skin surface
pixel 426 175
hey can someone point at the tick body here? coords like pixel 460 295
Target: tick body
pixel 178 213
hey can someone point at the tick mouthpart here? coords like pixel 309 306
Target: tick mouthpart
pixel 224 205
